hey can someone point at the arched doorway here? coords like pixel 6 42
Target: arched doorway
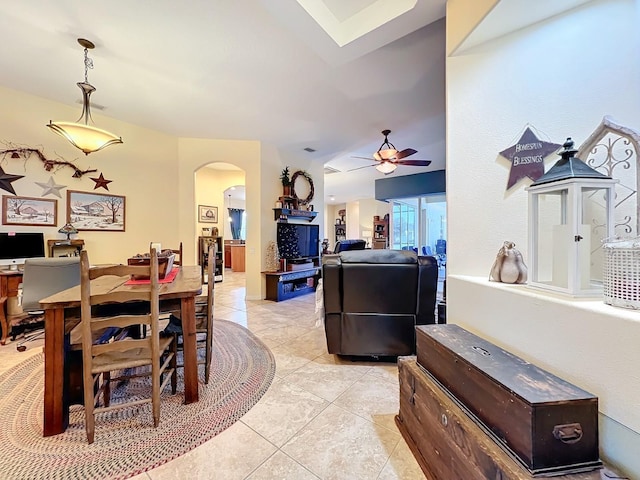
pixel 216 186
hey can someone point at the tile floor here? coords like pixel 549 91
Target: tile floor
pixel 322 417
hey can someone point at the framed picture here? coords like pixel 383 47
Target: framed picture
pixel 29 211
pixel 100 212
pixel 207 214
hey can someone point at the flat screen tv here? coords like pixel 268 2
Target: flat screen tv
pixel 297 240
pixel 16 247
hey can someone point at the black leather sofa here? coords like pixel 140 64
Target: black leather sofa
pixel 351 244
pixel 373 299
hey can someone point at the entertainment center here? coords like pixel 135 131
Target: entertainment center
pixel 299 271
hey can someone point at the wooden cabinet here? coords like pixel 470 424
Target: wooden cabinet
pixel 228 259
pixel 237 258
pixel 65 248
pixel 203 249
pixel 380 233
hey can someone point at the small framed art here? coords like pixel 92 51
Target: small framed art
pixel 207 214
pixel 29 211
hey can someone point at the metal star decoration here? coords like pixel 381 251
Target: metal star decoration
pixel 527 157
pixel 6 179
pixel 51 187
pixel 101 182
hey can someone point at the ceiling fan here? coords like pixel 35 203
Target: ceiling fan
pixel 388 157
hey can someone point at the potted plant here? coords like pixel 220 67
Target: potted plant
pixel 286 182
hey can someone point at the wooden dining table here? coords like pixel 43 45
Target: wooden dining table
pixel 62 313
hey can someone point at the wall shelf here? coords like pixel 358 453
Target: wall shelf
pixel 284 213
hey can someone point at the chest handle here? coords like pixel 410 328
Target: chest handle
pixel 568 433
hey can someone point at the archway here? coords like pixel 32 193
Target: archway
pixel 216 184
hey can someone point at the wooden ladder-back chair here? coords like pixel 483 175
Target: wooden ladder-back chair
pixel 178 254
pixel 204 316
pixel 121 353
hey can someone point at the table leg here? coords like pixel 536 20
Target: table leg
pixel 3 321
pixel 188 315
pixel 56 411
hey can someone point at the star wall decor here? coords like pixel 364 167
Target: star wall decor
pixel 527 157
pixel 51 187
pixel 101 182
pixel 6 179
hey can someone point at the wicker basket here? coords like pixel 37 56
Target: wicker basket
pixel 622 273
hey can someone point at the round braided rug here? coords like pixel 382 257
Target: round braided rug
pixel 126 443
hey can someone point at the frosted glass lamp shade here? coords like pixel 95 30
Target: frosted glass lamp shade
pixel 84 137
pixel 386 167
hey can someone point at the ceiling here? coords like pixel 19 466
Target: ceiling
pixel 328 75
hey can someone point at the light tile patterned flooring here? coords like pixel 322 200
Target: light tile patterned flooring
pixel 322 418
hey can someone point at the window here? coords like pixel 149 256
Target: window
pixel 404 225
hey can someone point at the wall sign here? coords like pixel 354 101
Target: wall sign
pixel 527 157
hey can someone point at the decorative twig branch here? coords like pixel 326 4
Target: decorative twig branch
pixel 27 152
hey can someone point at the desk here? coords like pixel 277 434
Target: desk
pixel 183 289
pixel 9 281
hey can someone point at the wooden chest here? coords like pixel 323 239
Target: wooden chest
pixel 548 424
pixel 447 443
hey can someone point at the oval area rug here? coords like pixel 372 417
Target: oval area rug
pixel 126 443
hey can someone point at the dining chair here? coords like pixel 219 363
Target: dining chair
pixel 204 318
pixel 115 351
pixel 178 255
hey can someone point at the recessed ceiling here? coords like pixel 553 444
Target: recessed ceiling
pixel 513 15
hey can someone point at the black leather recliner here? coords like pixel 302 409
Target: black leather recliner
pixel 373 299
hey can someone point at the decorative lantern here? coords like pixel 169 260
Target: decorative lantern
pixel 570 214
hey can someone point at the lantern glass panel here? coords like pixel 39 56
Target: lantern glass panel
pixel 594 229
pixel 551 239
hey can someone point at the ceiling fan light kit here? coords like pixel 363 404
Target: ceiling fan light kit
pixel 388 157
pixel 80 134
pixel 386 151
pixel 386 167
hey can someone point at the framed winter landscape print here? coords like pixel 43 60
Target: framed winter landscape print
pixel 207 214
pixel 29 211
pixel 96 211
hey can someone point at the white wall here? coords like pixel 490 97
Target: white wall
pixel 561 76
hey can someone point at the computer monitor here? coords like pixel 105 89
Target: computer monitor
pixel 15 247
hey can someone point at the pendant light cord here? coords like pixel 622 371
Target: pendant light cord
pixel 88 63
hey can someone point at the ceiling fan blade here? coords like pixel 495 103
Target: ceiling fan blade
pixel 364 158
pixel 359 168
pixel 414 163
pixel 405 153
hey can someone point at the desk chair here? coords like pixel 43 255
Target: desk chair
pixel 116 351
pixel 42 277
pixel 204 317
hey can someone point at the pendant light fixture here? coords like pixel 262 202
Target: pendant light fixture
pixel 80 134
